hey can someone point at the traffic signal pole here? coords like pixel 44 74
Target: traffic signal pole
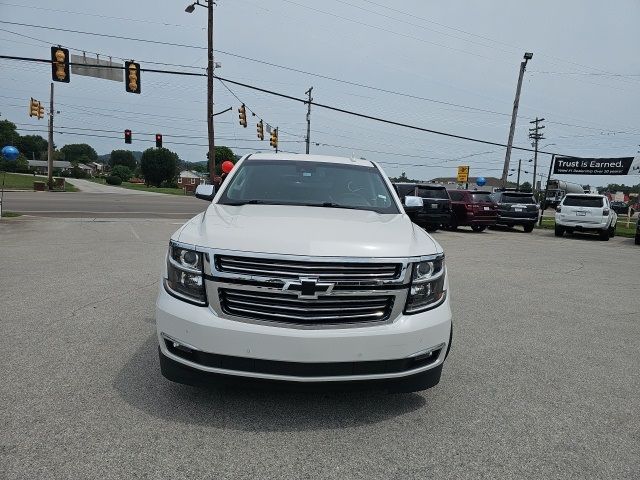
pixel 50 146
pixel 308 139
pixel 210 67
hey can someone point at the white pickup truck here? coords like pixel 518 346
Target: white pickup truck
pixel 304 268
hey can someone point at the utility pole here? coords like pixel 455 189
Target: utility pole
pixel 518 181
pixel 210 68
pixel 536 136
pixel 505 170
pixel 308 92
pixel 50 146
pixel 543 200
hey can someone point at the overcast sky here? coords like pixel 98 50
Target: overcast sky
pixel 584 78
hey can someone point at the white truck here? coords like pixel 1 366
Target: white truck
pixel 304 268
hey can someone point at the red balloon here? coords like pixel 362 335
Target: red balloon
pixel 227 166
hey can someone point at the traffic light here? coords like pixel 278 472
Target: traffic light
pixel 60 64
pixel 260 130
pixel 158 140
pixel 132 82
pixel 127 136
pixel 242 115
pixel 274 138
pixel 36 109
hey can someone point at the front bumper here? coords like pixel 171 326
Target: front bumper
pixel 392 350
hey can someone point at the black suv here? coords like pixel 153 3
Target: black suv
pixel 516 208
pixel 436 211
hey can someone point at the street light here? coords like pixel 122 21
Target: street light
pixel 208 4
pixel 514 115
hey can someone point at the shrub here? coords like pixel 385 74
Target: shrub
pixel 121 171
pixel 113 180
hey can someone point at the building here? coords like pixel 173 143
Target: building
pixel 42 166
pixel 189 180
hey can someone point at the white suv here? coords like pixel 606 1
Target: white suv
pixel 304 268
pixel 586 213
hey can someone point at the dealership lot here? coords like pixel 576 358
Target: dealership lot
pixel 542 381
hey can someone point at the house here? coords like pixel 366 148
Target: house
pixel 41 166
pixel 189 180
pixel 95 167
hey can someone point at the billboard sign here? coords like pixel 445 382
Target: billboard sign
pixel 597 166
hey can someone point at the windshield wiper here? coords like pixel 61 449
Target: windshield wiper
pixel 247 202
pixel 332 205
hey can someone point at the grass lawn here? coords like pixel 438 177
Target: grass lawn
pixel 621 226
pixel 16 181
pixel 10 214
pixel 141 186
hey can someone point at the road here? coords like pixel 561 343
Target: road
pixel 101 205
pixel 93 187
pixel 542 380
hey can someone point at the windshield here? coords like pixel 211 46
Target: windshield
pixel 570 201
pixel 481 197
pixel 429 192
pixel 518 199
pixel 317 184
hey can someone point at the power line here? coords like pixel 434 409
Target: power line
pixel 319 105
pixel 71 12
pixel 304 72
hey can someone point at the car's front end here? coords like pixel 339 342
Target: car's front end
pixel 303 294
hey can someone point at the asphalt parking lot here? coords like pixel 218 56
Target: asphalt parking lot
pixel 542 381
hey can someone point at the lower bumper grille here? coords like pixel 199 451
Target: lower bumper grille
pixel 298 369
pixel 287 308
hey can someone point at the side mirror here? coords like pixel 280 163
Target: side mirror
pixel 413 204
pixel 205 192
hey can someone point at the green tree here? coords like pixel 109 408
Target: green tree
pixel 222 154
pixel 159 165
pixel 123 157
pixel 32 146
pixel 80 152
pixel 121 171
pixel 525 187
pixel 8 134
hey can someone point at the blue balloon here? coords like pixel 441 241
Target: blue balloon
pixel 10 153
pixel 481 181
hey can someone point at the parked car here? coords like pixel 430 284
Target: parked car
pixel 586 213
pixel 621 208
pixel 516 208
pixel 473 208
pixel 638 231
pixel 436 211
pixel 304 268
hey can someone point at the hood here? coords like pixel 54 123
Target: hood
pixel 312 231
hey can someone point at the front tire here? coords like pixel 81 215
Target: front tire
pixel 478 228
pixel 559 231
pixel 528 228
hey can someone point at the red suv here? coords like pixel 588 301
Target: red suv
pixel 472 208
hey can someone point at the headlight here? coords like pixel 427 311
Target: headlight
pixel 185 278
pixel 427 286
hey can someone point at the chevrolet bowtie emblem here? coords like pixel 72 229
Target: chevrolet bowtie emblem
pixel 308 287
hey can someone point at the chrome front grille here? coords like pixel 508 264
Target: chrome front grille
pixel 287 308
pixel 325 271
